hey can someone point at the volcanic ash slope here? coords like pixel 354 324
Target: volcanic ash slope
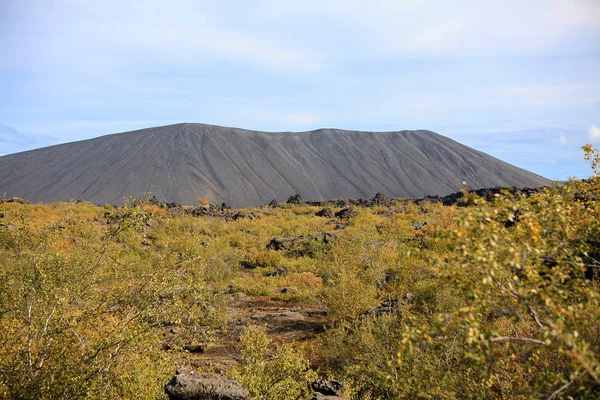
pixel 180 163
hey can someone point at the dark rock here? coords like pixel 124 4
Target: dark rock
pixel 325 212
pixel 303 245
pixel 328 388
pixel 380 197
pixel 230 289
pixel 295 199
pixel 278 272
pixel 281 243
pixel 225 206
pixel 195 348
pixel 341 203
pixel 338 226
pixel 512 220
pixel 488 194
pixel 387 307
pixel 250 216
pixel 312 312
pixel 190 385
pixel 317 312
pixel 346 213
pixel 418 225
pixel 1 215
pixel 274 204
pixel 319 396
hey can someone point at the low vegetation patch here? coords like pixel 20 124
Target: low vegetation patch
pixel 496 299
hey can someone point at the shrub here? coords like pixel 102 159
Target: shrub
pixel 285 375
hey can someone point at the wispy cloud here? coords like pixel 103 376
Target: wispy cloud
pixel 594 133
pixel 73 70
pixel 13 140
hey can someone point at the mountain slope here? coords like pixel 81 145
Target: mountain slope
pixel 180 163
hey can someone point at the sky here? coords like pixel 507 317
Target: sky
pixel 519 80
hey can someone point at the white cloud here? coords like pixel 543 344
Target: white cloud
pixel 457 28
pixel 594 133
pixel 290 36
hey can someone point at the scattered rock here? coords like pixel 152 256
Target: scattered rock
pixel 281 243
pixel 346 213
pixel 302 245
pixel 328 388
pixel 10 228
pixel 488 195
pixel 230 289
pixel 17 200
pixel 295 199
pixel 278 272
pixel 1 215
pixel 325 212
pixel 274 204
pixel 342 203
pixel 387 307
pixel 418 225
pixel 512 220
pixel 190 385
pixel 312 312
pixel 380 198
pixel 225 206
pixel 319 396
pixel 284 317
pixel 338 226
pixel 195 347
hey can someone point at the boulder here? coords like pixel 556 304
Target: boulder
pixel 346 213
pixel 325 212
pixel 327 390
pixel 281 243
pixel 295 199
pixel 190 385
pixel 300 242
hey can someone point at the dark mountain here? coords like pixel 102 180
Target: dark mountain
pixel 180 163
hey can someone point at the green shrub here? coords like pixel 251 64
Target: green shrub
pixel 283 375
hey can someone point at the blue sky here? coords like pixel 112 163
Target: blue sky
pixel 517 79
